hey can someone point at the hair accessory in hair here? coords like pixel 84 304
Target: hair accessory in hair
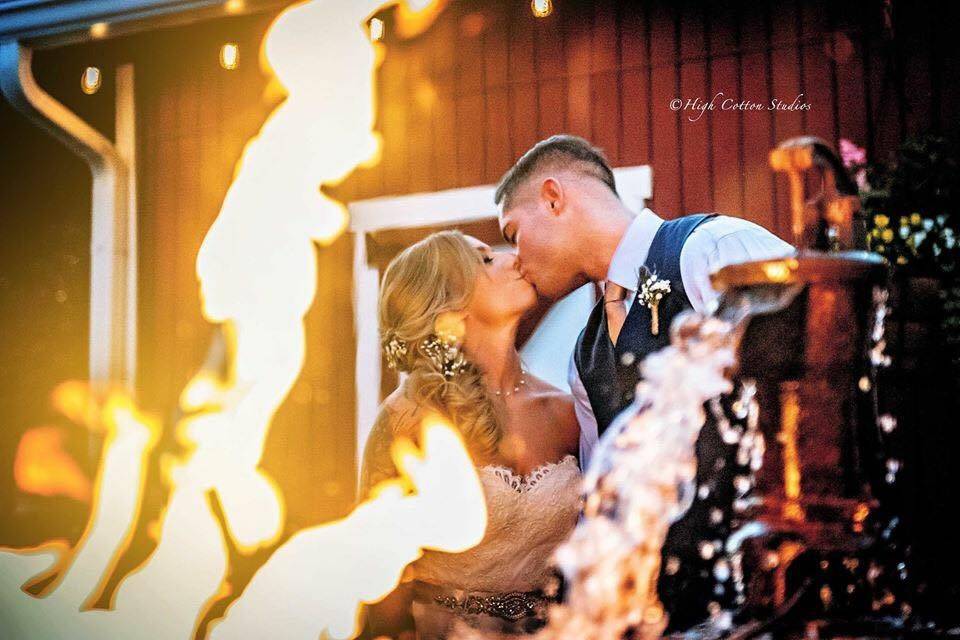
pixel 444 352
pixel 395 349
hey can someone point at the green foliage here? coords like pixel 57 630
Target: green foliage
pixel 913 204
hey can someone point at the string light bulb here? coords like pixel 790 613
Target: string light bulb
pixel 541 8
pixel 90 80
pixel 99 30
pixel 230 56
pixel 376 29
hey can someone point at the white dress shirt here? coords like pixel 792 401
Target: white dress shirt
pixel 720 241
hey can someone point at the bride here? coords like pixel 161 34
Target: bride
pixel 449 312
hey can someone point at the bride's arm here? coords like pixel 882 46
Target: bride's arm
pixel 397 418
pixel 391 616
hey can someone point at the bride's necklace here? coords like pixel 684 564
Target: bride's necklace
pixel 521 382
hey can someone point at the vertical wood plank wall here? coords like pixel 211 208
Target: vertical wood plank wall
pixel 457 106
pixel 460 103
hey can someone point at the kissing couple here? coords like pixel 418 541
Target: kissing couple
pixel 449 311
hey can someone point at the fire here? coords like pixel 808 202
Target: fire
pixel 316 580
pixel 42 466
pixel 257 265
pixel 257 275
pixel 81 574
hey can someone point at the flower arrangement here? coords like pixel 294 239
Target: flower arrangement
pixel 652 290
pixel 912 208
pixel 445 354
pixel 395 349
pixel 912 204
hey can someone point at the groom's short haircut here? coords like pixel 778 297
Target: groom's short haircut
pixel 560 151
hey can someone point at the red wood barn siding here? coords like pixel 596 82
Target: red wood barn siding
pixel 456 110
pixel 457 107
pixel 459 103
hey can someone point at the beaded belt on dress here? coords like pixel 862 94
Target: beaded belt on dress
pixel 512 606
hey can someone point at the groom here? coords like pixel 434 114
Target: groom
pixel 560 208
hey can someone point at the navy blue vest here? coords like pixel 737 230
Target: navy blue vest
pixel 686 590
pixel 610 374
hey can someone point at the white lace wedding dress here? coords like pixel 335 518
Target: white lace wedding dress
pixel 492 587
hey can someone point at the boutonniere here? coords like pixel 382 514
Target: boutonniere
pixel 651 292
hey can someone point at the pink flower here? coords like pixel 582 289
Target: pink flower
pixel 851 154
pixel 861 178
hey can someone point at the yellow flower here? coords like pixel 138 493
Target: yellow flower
pixel 916 218
pixel 881 220
pixel 904 221
pixel 887 235
pixel 901 260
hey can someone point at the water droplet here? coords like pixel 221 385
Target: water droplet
pixel 826 596
pixel 742 484
pixel 706 550
pixel 721 571
pixel 887 423
pixel 673 565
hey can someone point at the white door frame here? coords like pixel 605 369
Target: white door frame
pixel 453 206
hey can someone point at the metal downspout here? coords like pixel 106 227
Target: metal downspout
pixel 113 238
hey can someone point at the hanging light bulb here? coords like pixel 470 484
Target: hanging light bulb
pixel 230 56
pixel 541 8
pixel 376 29
pixel 90 80
pixel 99 30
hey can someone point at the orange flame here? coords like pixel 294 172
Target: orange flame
pixel 313 584
pixel 42 466
pixel 317 580
pixel 257 273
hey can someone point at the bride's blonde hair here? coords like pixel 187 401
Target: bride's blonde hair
pixel 432 277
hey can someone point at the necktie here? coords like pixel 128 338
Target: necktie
pixel 614 302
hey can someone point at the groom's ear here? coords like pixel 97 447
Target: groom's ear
pixel 551 192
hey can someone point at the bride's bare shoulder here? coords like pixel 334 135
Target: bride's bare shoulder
pixel 558 405
pixel 546 392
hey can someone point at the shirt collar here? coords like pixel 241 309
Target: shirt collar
pixel 632 251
